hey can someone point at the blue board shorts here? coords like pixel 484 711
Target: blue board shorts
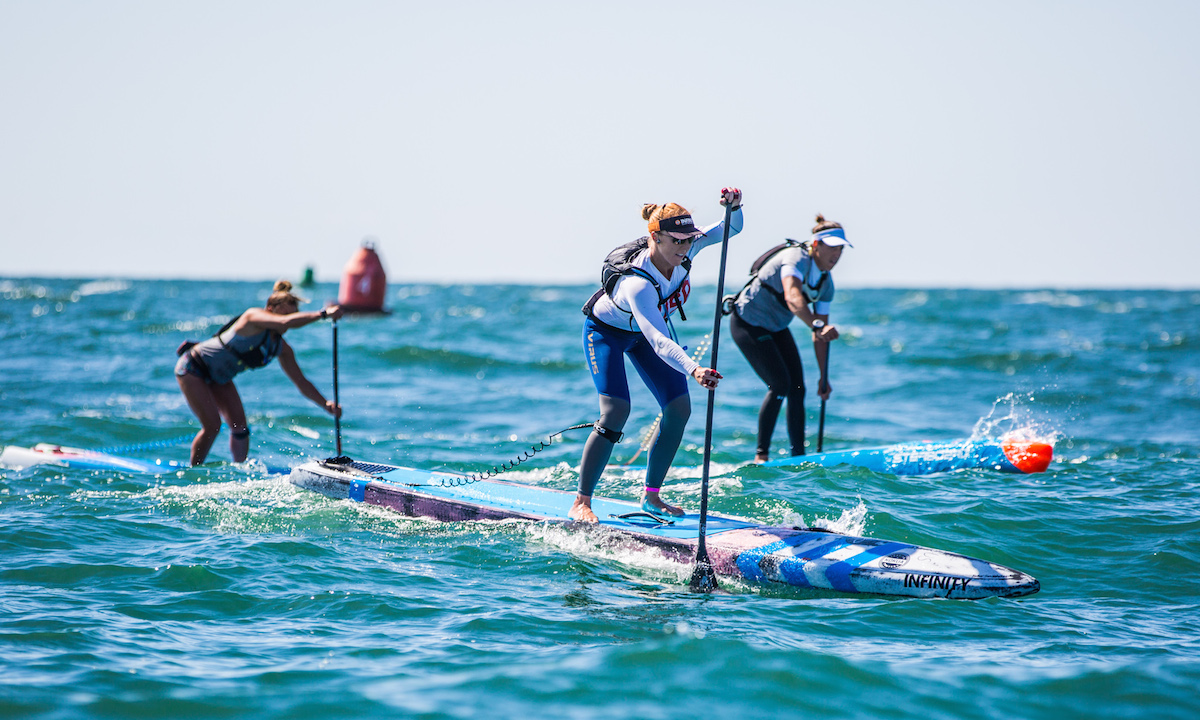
pixel 605 347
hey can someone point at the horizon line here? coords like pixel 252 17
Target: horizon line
pixel 578 283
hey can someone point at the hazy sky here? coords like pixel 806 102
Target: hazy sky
pixel 963 144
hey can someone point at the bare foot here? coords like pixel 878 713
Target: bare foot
pixel 581 511
pixel 651 502
pixel 760 459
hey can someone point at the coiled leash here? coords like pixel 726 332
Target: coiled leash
pixel 505 467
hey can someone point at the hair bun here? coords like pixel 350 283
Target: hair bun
pixel 648 210
pixel 282 286
pixel 823 224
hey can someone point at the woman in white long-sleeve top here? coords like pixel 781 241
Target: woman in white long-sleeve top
pixel 646 281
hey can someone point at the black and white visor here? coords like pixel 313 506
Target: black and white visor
pixel 678 225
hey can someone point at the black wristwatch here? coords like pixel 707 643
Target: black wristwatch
pixel 324 313
pixel 818 326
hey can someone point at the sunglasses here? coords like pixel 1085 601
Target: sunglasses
pixel 681 241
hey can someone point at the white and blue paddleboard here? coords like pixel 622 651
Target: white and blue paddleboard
pixel 20 458
pixel 737 547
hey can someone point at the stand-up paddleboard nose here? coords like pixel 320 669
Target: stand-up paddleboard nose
pixel 1028 456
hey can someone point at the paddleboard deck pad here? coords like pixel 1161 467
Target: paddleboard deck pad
pixel 801 557
pixel 923 458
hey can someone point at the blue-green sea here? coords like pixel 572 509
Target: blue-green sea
pixel 226 592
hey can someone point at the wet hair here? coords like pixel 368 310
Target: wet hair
pixel 282 293
pixel 823 224
pixel 652 212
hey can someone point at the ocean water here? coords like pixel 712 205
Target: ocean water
pixel 226 592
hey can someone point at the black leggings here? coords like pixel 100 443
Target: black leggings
pixel 774 357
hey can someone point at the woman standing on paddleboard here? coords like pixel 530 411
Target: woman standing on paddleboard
pixel 645 282
pixel 205 370
pixel 789 281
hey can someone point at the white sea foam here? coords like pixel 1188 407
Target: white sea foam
pixel 102 287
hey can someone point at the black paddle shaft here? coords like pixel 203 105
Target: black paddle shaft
pixel 821 387
pixel 337 417
pixel 704 578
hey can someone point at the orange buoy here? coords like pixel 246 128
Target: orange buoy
pixel 1030 456
pixel 364 283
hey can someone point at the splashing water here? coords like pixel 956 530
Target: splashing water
pixel 1012 417
pixel 852 521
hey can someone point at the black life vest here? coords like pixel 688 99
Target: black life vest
pixel 258 356
pixel 620 262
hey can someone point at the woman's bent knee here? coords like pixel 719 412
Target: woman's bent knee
pixel 679 409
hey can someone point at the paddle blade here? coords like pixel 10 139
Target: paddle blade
pixel 704 578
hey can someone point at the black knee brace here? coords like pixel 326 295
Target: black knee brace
pixel 241 434
pixel 613 436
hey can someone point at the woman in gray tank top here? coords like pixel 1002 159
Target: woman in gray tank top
pixel 794 282
pixel 205 371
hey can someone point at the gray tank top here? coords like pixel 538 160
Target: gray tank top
pixel 761 306
pixel 226 355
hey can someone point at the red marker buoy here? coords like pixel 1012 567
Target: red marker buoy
pixel 1028 456
pixel 364 283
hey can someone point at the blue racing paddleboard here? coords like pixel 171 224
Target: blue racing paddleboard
pixel 737 547
pixel 922 458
